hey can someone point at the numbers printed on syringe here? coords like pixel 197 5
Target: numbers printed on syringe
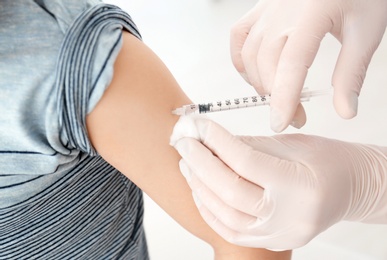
pixel 240 103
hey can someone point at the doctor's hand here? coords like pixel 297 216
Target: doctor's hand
pixel 274 45
pixel 279 192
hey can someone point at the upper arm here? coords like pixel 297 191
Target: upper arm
pixel 131 125
pixel 130 128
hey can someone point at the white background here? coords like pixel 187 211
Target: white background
pixel 192 38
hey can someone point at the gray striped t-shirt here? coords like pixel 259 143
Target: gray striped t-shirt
pixel 58 198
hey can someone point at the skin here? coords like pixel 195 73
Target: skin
pixel 130 128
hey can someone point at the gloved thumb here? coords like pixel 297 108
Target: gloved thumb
pixel 348 79
pixel 351 68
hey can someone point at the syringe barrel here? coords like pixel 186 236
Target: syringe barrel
pixel 237 103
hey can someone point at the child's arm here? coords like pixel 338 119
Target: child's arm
pixel 130 127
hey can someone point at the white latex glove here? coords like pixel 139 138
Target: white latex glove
pixel 279 192
pixel 274 45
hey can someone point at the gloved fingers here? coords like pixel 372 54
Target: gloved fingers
pixel 238 35
pixel 230 216
pixel 221 229
pixel 285 146
pixel 267 59
pixel 296 58
pixel 359 40
pixel 250 164
pixel 205 173
pixel 299 118
pixel 350 71
pixel 237 237
pixel 249 54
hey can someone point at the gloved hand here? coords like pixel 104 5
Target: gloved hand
pixel 274 45
pixel 279 192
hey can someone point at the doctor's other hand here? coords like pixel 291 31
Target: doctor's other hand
pixel 275 43
pixel 279 192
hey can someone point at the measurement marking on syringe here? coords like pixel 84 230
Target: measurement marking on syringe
pixel 237 103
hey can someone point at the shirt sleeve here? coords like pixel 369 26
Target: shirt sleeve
pixel 85 69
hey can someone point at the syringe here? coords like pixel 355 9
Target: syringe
pixel 237 103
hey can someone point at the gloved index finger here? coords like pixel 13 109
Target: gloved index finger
pixel 252 165
pixel 295 60
pixel 202 166
pixel 239 33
